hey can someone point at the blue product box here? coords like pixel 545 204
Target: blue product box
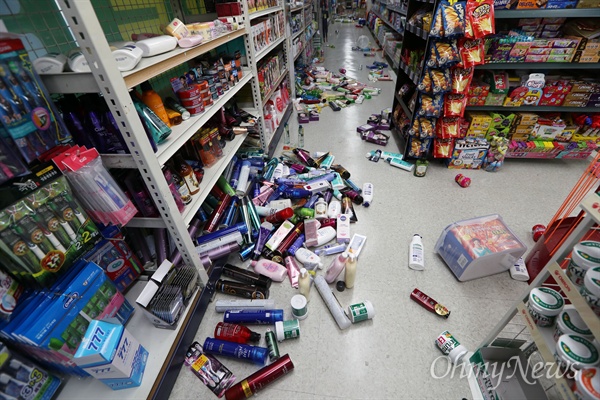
pixel 555 4
pixel 109 353
pixel 479 247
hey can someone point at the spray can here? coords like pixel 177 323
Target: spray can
pixel 272 345
pixel 462 180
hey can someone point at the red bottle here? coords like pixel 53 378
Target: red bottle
pixel 280 216
pixel 235 333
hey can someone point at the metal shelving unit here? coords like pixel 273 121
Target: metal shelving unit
pixel 543 337
pixel 540 66
pixel 90 24
pixel 543 13
pixel 533 108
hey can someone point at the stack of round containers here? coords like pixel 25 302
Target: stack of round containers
pixel 191 99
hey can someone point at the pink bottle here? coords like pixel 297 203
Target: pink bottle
pixel 336 267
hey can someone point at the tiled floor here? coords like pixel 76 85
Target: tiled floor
pixel 392 356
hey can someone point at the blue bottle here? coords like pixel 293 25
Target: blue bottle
pixel 254 354
pixel 261 317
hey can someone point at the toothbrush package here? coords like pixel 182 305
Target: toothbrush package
pixel 43 229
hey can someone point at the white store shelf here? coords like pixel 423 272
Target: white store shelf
pixel 211 175
pixel 264 12
pixel 159 343
pixel 267 50
pixel 181 133
pixel 543 338
pixel 71 82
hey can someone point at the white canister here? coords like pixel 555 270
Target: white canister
pixel 591 289
pixel 569 322
pixel 587 384
pixel 77 61
pixel 585 255
pixel 544 305
pixel 574 352
pixel 51 63
pixel 127 56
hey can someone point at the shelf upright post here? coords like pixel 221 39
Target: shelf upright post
pixel 289 52
pixel 252 63
pixel 82 20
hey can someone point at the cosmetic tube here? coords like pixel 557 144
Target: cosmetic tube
pixel 332 303
pixel 247 221
pixel 260 379
pixel 330 249
pixel 258 317
pixel 265 230
pixel 293 271
pixel 239 227
pixel 213 221
pixel 254 354
pixel 222 306
pixel 241 290
pixel 246 276
pixel 218 242
pixel 296 245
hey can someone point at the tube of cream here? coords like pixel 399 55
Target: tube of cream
pixel 263 234
pixel 332 303
pixel 293 271
pixel 429 304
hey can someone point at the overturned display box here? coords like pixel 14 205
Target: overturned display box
pixel 479 247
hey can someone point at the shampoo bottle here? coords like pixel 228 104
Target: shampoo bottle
pixel 158 129
pixel 336 267
pixel 321 208
pixel 309 259
pixel 154 102
pixel 304 283
pixel 350 271
pixel 416 253
pixel 269 268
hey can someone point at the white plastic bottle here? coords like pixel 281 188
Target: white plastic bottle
pixel 336 267
pixel 367 194
pixel 269 268
pixel 304 283
pixel 416 260
pixel 334 209
pixel 309 259
pixel 321 208
pixel 325 235
pixel 350 271
pixel 77 61
pixel 50 63
pixel 127 56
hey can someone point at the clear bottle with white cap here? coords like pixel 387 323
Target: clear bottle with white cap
pixel 304 283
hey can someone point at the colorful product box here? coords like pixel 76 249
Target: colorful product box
pixel 112 355
pixel 561 4
pixel 468 154
pixel 479 247
pixel 25 380
pixel 52 327
pixel 531 4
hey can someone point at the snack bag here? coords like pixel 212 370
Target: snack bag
pixel 471 52
pixel 432 61
pixel 427 127
pixel 437 25
pixel 447 54
pixel 440 80
pixel 453 19
pixel 461 79
pixel 454 105
pixel 442 148
pixel 481 14
pixel 425 85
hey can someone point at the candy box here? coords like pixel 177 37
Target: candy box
pixel 468 154
pixel 377 137
pixel 479 247
pixel 495 99
pixel 502 4
pixel 561 4
pixel 109 353
pixel 529 4
pixel 588 4
pixel 479 120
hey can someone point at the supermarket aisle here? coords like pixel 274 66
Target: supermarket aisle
pixel 391 356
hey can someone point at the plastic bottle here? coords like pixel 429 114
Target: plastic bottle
pixel 300 136
pixel 416 260
pixel 271 269
pixel 154 102
pixel 336 267
pixel 367 194
pixel 261 317
pixel 158 129
pixel 187 174
pixel 235 333
pixel 304 283
pixel 321 208
pixel 127 57
pixel 350 271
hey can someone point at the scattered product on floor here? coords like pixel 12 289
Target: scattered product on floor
pixel 451 347
pixel 538 231
pixel 429 304
pixel 463 181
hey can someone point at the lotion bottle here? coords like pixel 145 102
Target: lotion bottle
pixel 416 260
pixel 309 259
pixel 350 271
pixel 336 267
pixel 304 283
pixel 269 268
pixel 321 208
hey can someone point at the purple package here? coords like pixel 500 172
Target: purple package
pixel 376 137
pixel 210 371
pixel 365 128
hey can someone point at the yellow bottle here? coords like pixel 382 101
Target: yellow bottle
pixel 154 102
